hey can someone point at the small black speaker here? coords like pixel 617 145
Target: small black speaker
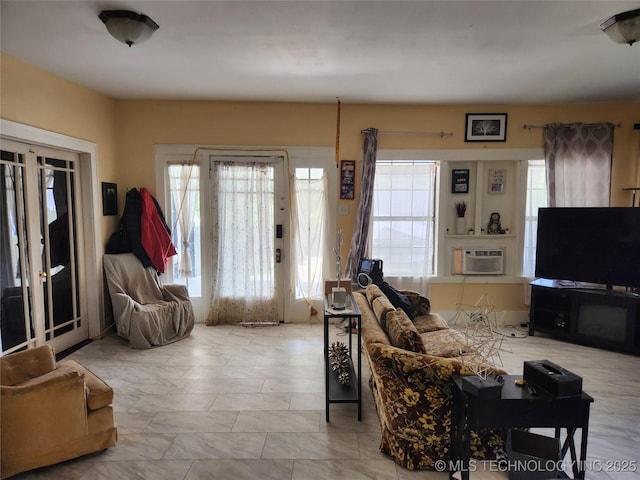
pixel 364 280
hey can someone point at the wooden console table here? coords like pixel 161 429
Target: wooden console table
pixel 518 407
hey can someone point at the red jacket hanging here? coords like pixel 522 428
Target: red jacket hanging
pixel 154 236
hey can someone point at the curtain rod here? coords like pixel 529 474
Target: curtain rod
pixel 529 127
pixel 393 132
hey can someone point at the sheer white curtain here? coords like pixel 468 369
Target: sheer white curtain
pixel 536 198
pixel 308 218
pixel 243 287
pixel 185 188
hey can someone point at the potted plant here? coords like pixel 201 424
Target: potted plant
pixel 461 209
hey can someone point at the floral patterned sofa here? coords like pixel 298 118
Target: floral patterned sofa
pixel 412 361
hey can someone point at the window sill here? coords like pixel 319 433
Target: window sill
pixel 506 279
pixel 496 236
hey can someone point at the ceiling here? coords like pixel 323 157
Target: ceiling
pixel 419 52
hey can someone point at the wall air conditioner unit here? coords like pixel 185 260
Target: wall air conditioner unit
pixel 478 261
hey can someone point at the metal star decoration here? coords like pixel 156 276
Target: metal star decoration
pixel 479 323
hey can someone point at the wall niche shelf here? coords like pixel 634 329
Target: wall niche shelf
pixel 482 236
pixel 481 202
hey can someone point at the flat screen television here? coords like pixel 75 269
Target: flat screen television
pixel 594 245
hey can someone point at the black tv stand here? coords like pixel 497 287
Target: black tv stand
pixel 597 317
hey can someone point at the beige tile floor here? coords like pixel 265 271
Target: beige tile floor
pixel 240 403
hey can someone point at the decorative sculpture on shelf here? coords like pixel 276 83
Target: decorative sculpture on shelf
pixel 494 226
pixel 339 357
pixel 338 293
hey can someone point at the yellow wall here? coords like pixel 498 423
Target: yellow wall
pixel 37 98
pixel 126 131
pixel 144 123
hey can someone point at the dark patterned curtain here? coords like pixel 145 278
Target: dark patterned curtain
pixel 578 164
pixel 360 238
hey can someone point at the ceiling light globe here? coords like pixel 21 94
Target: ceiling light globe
pixel 128 27
pixel 624 27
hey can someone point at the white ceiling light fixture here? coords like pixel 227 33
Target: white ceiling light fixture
pixel 127 26
pixel 624 27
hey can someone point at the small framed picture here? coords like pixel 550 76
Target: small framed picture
pixel 486 127
pixel 347 179
pixel 497 178
pixel 109 199
pixel 460 180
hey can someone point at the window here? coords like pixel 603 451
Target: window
pixel 536 198
pixel 309 238
pixel 184 185
pixel 403 230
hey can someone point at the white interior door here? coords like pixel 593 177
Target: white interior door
pixel 40 257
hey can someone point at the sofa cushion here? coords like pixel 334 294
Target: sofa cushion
pixel 20 367
pixel 403 333
pixel 381 307
pixel 447 343
pixel 421 305
pixel 397 298
pixel 99 394
pixel 430 323
pixel 373 291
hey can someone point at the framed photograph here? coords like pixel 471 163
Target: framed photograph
pixel 109 199
pixel 347 179
pixel 486 127
pixel 497 178
pixel 460 180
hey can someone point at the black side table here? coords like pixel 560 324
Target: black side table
pixel 518 407
pixel 335 392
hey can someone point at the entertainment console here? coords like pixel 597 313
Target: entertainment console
pixel 602 318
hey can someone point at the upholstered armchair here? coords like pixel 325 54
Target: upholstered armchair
pixel 50 412
pixel 146 312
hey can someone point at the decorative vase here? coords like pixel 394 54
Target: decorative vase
pixel 461 226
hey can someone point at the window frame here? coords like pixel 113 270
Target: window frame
pixel 430 217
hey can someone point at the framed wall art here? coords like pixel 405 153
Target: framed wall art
pixel 460 180
pixel 109 199
pixel 347 179
pixel 486 127
pixel 497 179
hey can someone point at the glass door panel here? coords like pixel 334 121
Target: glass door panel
pixel 16 319
pixel 39 261
pixel 58 229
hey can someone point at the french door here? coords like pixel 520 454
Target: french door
pixel 248 214
pixel 40 258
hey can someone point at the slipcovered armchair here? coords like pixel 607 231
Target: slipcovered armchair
pixel 50 413
pixel 147 313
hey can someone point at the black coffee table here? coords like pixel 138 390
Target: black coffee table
pixel 518 407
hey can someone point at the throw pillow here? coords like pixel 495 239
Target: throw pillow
pixel 397 299
pixel 403 333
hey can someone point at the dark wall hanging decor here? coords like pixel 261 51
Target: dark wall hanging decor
pixel 347 179
pixel 109 198
pixel 460 180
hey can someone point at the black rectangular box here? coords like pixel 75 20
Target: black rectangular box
pixel 552 378
pixel 483 388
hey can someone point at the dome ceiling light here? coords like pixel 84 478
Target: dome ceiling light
pixel 128 27
pixel 624 27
